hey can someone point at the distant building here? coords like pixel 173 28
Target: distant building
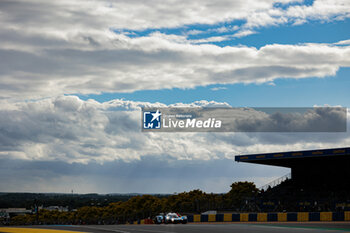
pixel 56 208
pixel 10 212
pixel 209 212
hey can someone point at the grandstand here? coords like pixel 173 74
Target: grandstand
pixel 320 179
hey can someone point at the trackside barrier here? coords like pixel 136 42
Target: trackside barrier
pixel 244 217
pixel 339 216
pixel 264 217
pixel 219 217
pixel 252 217
pixel 314 216
pixel 196 218
pixel 282 217
pixel 236 217
pixel 303 217
pixel 190 218
pixel 347 215
pixel 292 217
pixel 212 217
pixel 148 221
pixel 227 217
pixel 271 217
pixel 326 216
pixel 204 218
pixel 143 221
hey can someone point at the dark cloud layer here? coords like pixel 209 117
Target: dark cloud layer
pixel 148 175
pixel 64 143
pixel 72 130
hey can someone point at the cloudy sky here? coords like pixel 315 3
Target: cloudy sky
pixel 75 74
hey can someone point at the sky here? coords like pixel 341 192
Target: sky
pixel 75 74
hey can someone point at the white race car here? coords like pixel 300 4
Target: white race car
pixel 175 218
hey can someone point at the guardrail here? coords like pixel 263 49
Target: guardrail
pixel 276 182
pixel 264 217
pixel 272 217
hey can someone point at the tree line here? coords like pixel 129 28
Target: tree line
pixel 146 206
pixel 73 201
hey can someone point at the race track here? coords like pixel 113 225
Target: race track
pixel 333 227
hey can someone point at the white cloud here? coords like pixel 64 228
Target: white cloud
pixel 72 130
pixel 320 10
pixel 218 88
pixel 61 18
pixel 243 33
pixel 51 48
pixel 343 42
pixel 210 39
pixel 123 64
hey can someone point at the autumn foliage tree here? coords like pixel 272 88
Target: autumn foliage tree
pixel 144 206
pixel 241 192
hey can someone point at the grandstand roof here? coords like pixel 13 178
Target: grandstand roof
pixel 292 158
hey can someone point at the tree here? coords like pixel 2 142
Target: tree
pixel 241 192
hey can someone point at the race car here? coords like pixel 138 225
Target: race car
pixel 159 219
pixel 170 218
pixel 175 218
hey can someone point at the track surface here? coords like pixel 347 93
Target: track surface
pixel 331 227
